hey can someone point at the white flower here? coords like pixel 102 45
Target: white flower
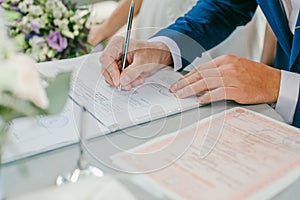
pixel 50 5
pixel 25 20
pixel 56 2
pixel 37 53
pixel 41 16
pixel 35 10
pixel 15 1
pixel 51 53
pixel 7 46
pixel 57 13
pixel 76 32
pixel 23 7
pixel 76 27
pixel 28 2
pixel 37 41
pixel 81 21
pixel 42 54
pixel 39 48
pixel 24 25
pixel 62 24
pixel 76 17
pixel 56 22
pixel 20 76
pixel 67 33
pixel 61 6
pixel 43 21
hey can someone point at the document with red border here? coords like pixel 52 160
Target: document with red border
pixel 238 154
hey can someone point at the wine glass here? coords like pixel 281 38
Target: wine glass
pixel 83 168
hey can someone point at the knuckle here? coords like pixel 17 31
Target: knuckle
pixel 103 68
pixel 228 57
pixel 223 71
pixel 202 85
pixel 231 68
pixel 186 81
pixel 199 75
pixel 102 58
pixel 110 70
pixel 188 90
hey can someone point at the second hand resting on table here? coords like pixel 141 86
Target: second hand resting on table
pixel 226 77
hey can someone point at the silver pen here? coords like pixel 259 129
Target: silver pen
pixel 127 38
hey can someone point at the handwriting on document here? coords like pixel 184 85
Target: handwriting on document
pixel 111 107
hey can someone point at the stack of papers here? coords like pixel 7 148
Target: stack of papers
pixel 110 110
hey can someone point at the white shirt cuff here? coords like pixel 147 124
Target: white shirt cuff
pixel 174 49
pixel 288 95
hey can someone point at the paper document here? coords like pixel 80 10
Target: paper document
pixel 30 136
pixel 253 157
pixel 120 109
pixel 110 109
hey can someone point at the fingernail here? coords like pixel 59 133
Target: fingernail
pixel 127 87
pixel 179 93
pixel 114 81
pixel 173 88
pixel 125 80
pixel 202 100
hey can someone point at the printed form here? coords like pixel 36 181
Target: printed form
pixel 238 154
pixel 110 109
pixel 31 136
pixel 121 109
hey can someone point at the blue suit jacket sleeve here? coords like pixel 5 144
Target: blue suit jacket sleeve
pixel 207 24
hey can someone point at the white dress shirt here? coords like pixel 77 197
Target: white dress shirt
pixel 290 82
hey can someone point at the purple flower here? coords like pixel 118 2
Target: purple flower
pixel 35 26
pixel 57 41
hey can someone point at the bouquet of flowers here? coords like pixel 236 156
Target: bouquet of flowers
pixel 48 29
pixel 21 90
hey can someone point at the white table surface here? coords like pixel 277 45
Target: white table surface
pixel 40 171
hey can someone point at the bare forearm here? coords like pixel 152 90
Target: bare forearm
pixel 119 16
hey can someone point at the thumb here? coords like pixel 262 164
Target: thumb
pixel 131 73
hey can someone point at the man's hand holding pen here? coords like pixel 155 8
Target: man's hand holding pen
pixel 226 77
pixel 143 59
pixel 126 63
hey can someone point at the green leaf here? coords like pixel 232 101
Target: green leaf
pixel 12 15
pixel 12 107
pixel 58 92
